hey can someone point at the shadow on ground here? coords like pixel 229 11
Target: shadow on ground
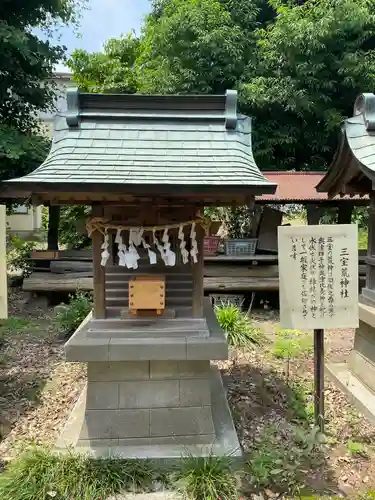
pixel 283 451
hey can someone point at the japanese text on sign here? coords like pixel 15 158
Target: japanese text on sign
pixel 318 271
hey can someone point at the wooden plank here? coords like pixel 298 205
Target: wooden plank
pixel 99 271
pixel 240 284
pixel 44 254
pixel 69 266
pixel 241 258
pixel 217 270
pixel 75 254
pixel 42 282
pixel 50 282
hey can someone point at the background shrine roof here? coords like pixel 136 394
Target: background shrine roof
pixel 300 187
pixel 353 168
pixel 125 140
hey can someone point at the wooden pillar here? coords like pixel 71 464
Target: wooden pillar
pixel 99 271
pixel 313 214
pixel 3 266
pixel 345 210
pixel 370 274
pixel 53 227
pixel 198 273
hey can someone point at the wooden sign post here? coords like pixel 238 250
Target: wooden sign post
pixel 318 274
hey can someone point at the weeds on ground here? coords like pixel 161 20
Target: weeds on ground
pixel 206 478
pixel 19 255
pixel 291 344
pixel 281 456
pixel 369 495
pixel 237 326
pixel 301 403
pixel 354 448
pixel 39 475
pixel 13 325
pixel 71 315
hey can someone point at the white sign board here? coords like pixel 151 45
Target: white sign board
pixel 318 276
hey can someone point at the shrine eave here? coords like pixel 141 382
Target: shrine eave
pixel 66 193
pixel 352 171
pixel 135 143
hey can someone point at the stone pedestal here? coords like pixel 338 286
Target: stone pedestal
pixel 150 397
pixel 357 377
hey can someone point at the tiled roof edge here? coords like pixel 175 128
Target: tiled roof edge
pixel 157 107
pixel 365 106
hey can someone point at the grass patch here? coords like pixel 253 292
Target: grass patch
pixel 38 474
pixel 280 458
pixel 12 326
pixel 237 326
pixel 206 478
pixel 356 449
pixel 71 315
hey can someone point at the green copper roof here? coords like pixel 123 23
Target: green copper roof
pixel 353 168
pixel 151 140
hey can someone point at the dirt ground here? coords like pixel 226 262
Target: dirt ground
pixel 38 390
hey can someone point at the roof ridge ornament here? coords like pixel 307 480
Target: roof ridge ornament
pixel 365 106
pixel 231 109
pixel 72 101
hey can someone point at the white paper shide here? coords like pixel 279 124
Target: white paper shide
pixel 318 273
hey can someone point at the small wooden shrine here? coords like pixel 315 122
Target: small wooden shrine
pixel 148 165
pixel 353 173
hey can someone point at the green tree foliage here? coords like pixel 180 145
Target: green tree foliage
pixel 309 66
pixel 298 66
pixel 20 153
pixel 25 61
pixel 112 70
pixel 190 46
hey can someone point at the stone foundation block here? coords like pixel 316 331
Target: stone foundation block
pixel 149 394
pixel 115 424
pixel 195 392
pixel 118 371
pixel 102 396
pixel 362 358
pixel 147 349
pixel 179 369
pixel 181 421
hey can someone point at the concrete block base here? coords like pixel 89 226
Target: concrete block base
pixel 221 439
pixel 357 377
pixel 358 393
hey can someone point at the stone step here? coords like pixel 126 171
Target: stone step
pixel 175 323
pixel 181 311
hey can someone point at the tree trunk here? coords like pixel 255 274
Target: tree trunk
pixel 53 227
pixel 313 214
